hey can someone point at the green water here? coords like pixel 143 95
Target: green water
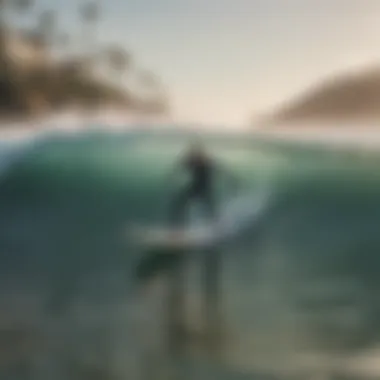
pixel 305 278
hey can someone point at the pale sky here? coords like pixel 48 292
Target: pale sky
pixel 225 60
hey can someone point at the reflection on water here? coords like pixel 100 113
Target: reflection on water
pixel 299 294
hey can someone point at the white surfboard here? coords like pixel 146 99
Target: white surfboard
pixel 171 237
pixel 236 214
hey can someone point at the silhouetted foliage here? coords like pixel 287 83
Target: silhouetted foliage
pixel 38 74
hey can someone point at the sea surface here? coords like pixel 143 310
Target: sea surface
pixel 299 287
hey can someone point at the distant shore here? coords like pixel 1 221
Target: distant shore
pixel 367 137
pixel 350 137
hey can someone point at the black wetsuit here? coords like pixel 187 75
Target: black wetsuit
pixel 199 188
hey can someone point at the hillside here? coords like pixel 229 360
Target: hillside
pixel 42 72
pixel 353 96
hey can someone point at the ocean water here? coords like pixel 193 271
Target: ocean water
pixel 299 286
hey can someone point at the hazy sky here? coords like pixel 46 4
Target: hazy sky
pixel 225 60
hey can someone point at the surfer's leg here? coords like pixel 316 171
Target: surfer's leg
pixel 211 273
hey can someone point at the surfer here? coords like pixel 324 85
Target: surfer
pixel 201 170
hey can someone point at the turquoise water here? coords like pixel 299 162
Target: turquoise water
pixel 304 280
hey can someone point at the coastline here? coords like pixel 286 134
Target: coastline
pixel 354 136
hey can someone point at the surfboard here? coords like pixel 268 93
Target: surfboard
pixel 235 215
pixel 174 237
